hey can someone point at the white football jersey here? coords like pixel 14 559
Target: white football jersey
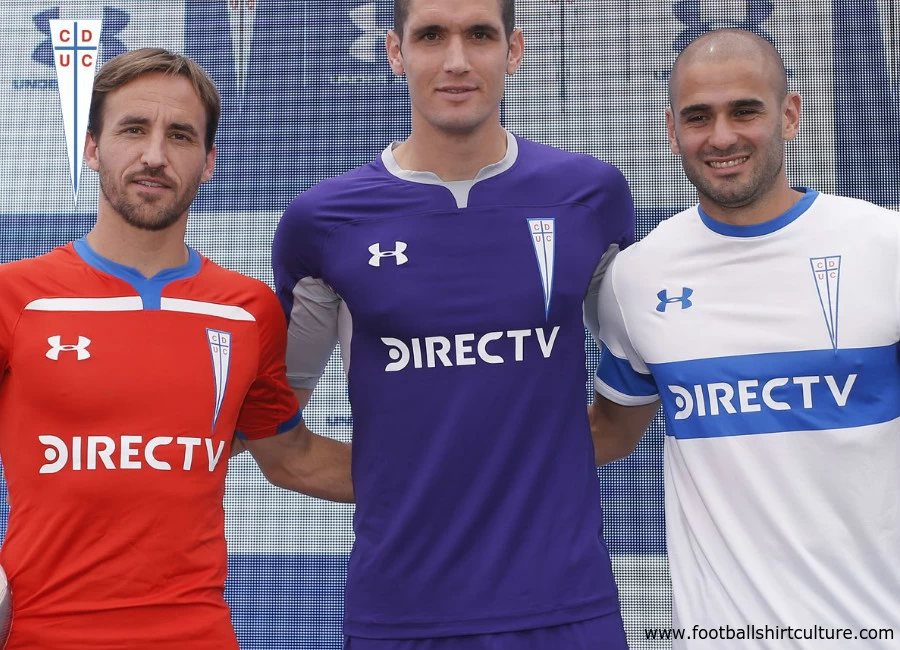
pixel 774 350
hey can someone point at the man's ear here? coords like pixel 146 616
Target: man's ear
pixel 394 54
pixel 516 52
pixel 91 158
pixel 670 132
pixel 209 165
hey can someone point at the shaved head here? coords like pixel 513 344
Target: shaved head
pixel 724 45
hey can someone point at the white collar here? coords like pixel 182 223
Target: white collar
pixel 459 189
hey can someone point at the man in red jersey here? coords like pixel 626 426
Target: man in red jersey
pixel 128 363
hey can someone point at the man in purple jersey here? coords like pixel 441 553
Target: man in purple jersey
pixel 453 270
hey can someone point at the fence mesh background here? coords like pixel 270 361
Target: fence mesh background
pixel 307 94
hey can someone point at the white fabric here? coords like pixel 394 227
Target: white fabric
pixel 459 189
pixel 797 526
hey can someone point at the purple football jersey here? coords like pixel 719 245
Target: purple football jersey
pixel 478 506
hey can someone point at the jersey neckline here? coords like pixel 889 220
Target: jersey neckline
pixel 149 289
pixel 459 189
pixel 766 227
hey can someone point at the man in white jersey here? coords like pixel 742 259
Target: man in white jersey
pixel 766 320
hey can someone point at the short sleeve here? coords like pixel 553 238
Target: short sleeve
pixel 311 307
pixel 615 210
pixel 9 314
pixel 590 311
pixel 5 344
pixel 615 206
pixel 622 375
pixel 270 406
pixel 312 331
pixel 296 251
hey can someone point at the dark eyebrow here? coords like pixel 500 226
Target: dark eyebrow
pixel 183 127
pixel 418 32
pixel 490 29
pixel 135 120
pixel 693 108
pixel 428 29
pixel 737 103
pixel 747 103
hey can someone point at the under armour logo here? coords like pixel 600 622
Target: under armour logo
pixel 699 20
pixel 397 253
pixel 114 21
pixel 370 44
pixel 684 299
pixel 56 348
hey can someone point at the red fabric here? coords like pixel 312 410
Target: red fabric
pixel 119 542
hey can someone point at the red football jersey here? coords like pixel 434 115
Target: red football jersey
pixel 119 397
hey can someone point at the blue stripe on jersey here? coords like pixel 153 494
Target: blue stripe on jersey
pixel 282 428
pixel 290 424
pixel 766 227
pixel 619 375
pixel 149 289
pixel 810 390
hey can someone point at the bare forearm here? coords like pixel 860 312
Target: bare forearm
pixel 325 473
pixel 616 430
pixel 325 470
pixel 608 446
pixel 314 465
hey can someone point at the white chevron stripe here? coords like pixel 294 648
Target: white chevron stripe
pixel 123 303
pixel 230 312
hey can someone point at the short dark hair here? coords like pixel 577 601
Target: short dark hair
pixel 127 67
pixel 507 12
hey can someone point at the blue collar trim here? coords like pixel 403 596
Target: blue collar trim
pixel 766 227
pixel 149 289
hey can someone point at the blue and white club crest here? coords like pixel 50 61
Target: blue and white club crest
pixel 827 273
pixel 220 350
pixel 543 236
pixel 75 53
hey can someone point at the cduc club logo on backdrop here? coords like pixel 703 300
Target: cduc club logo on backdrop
pixel 76 45
pixel 114 21
pixel 109 44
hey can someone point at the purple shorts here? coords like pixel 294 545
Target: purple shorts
pixel 603 633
